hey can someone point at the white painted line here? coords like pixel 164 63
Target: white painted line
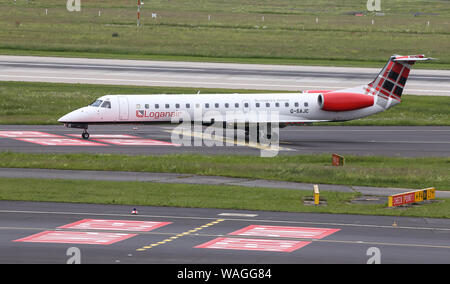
pixel 237 215
pixel 215 218
pixel 171 82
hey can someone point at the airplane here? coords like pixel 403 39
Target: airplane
pixel 382 93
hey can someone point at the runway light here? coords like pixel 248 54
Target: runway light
pixel 134 211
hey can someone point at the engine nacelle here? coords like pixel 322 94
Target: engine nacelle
pixel 344 101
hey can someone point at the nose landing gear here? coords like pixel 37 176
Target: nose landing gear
pixel 85 134
pixel 84 126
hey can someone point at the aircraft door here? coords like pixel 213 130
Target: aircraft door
pixel 123 108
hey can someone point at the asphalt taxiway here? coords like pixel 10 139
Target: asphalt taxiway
pixel 208 75
pixel 197 179
pixel 411 141
pixel 188 235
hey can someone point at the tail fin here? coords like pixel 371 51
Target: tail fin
pixel 391 81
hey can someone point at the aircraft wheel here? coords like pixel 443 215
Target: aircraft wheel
pixel 85 135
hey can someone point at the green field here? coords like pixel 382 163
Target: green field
pixel 276 31
pixel 415 173
pixel 44 103
pixel 180 195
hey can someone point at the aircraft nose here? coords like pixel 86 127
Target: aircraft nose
pixel 64 118
pixel 74 116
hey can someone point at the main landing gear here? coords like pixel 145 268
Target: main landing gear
pixel 256 133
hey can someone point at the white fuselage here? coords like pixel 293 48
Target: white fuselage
pixel 283 109
pixel 290 107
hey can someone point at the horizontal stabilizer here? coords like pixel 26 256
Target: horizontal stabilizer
pixel 411 58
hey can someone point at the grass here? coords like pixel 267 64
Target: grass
pixel 44 103
pixel 181 195
pixel 414 173
pixel 278 31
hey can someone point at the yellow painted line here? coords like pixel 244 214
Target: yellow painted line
pixel 144 248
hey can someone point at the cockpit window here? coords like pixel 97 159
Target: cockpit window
pixel 97 103
pixel 106 104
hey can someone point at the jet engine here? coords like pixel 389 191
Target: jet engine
pixel 338 101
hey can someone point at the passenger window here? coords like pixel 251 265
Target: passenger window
pixel 188 105
pixel 277 104
pixel 227 105
pixel 257 104
pixel 106 104
pixel 216 105
pixel 236 105
pixel 267 104
pixel 286 104
pixel 305 104
pixel 177 105
pixel 147 106
pixel 296 104
pixel 246 105
pixel 156 105
pixel 206 105
pixel 167 105
pixel 138 106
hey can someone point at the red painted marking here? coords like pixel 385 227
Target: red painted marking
pixel 384 92
pixel 395 97
pixel 30 134
pixel 405 72
pixel 121 225
pixel 383 96
pixel 136 142
pixel 285 232
pixel 397 67
pixel 389 65
pixel 317 91
pixel 60 142
pixel 403 199
pixel 254 244
pixel 68 237
pixel 100 136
